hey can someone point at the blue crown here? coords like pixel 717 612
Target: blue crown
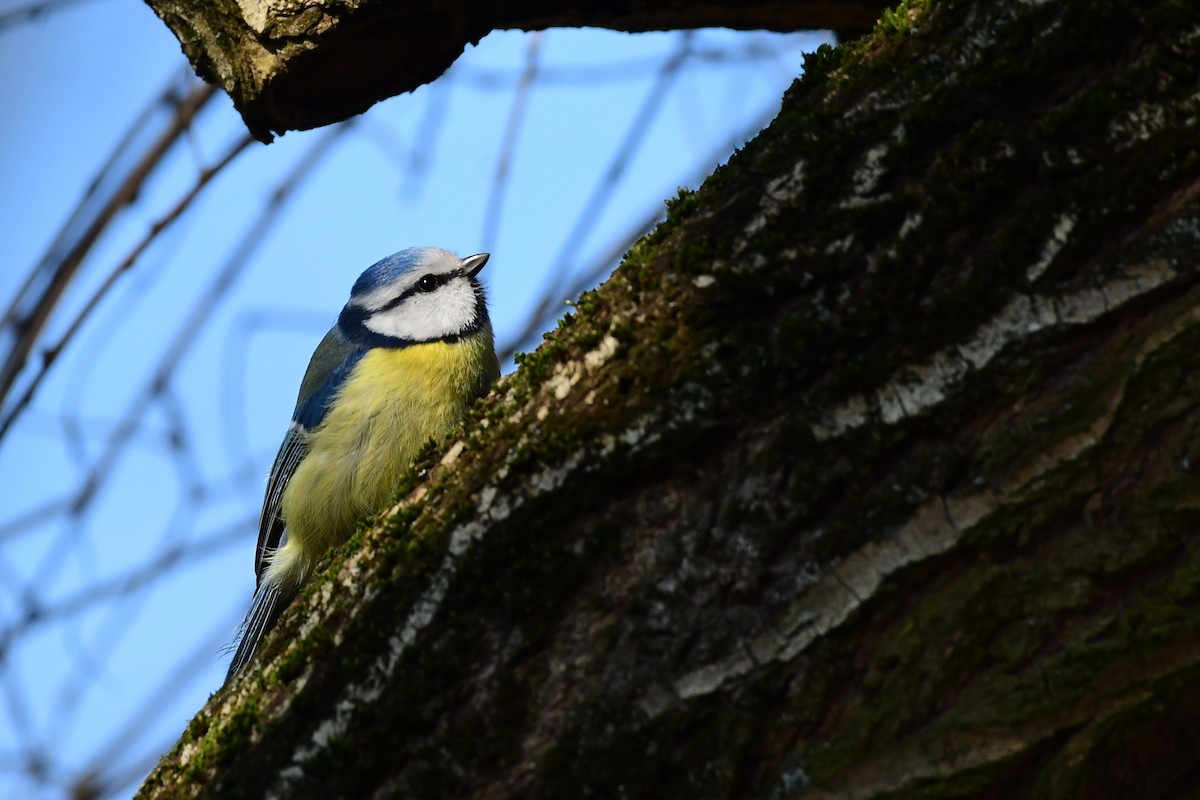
pixel 387 270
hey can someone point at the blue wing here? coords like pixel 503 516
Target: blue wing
pixel 264 611
pixel 330 366
pixel 332 362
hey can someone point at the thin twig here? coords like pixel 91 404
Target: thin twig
pixel 495 203
pixel 32 307
pixel 50 354
pixel 33 11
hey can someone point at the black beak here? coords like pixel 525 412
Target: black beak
pixel 472 264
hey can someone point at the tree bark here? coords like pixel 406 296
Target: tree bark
pixel 295 66
pixel 871 473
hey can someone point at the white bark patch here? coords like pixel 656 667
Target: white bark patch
pixel 924 386
pixel 849 415
pixel 603 352
pixel 707 679
pixel 566 375
pixel 910 224
pixel 256 13
pixel 1062 230
pixel 917 388
pixel 486 497
pixel 656 700
pixel 787 187
pixel 1023 316
pixel 782 190
pixel 866 178
pixel 840 245
pixel 453 453
pixel 874 104
pixel 1137 125
pixel 564 378
pixel 188 752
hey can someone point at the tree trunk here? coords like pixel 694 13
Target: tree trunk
pixel 871 473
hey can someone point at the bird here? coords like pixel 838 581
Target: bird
pixel 410 350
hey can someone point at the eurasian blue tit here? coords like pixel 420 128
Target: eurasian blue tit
pixel 410 351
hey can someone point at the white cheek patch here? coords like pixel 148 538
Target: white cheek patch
pixel 426 316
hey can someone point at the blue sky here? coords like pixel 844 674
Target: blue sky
pixel 136 593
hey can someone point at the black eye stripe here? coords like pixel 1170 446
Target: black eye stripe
pixel 426 283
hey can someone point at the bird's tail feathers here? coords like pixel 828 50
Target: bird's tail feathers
pixel 264 611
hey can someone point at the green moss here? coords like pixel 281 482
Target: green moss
pixel 220 743
pixel 902 19
pixel 317 644
pixel 682 206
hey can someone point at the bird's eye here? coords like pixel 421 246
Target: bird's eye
pixel 427 283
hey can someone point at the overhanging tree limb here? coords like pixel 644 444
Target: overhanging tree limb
pixel 294 66
pixel 871 473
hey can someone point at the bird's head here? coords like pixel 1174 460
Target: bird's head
pixel 422 294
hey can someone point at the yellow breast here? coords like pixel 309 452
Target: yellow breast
pixel 393 403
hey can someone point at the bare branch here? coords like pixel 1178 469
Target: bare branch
pixel 51 353
pixel 292 71
pixel 23 322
